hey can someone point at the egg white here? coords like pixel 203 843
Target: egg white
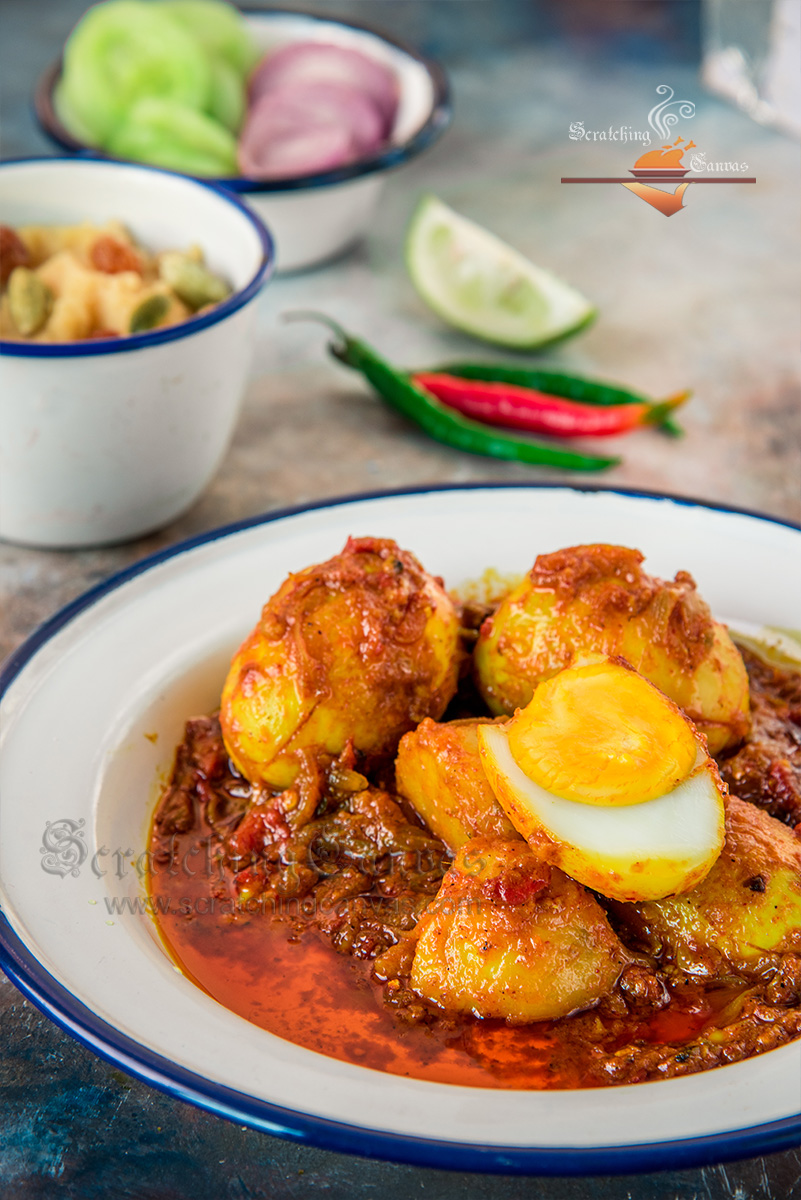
pixel 639 851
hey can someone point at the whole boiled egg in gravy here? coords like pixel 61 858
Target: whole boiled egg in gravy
pixel 607 779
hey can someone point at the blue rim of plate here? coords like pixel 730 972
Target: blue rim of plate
pixel 435 124
pixel 158 337
pixel 78 1020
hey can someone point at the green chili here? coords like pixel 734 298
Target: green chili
pixel 438 421
pixel 555 383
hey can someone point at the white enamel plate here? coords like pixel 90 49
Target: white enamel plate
pixel 91 708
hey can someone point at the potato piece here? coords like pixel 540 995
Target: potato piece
pixel 508 936
pixel 438 770
pixel 360 648
pixel 746 911
pixel 7 327
pixel 597 599
pixel 119 296
pixel 74 286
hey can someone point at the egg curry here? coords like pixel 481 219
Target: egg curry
pixel 548 842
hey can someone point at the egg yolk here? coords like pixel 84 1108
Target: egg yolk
pixel 600 733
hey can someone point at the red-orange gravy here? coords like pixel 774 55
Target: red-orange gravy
pixel 301 990
pixel 294 985
pixel 350 875
pixel 309 976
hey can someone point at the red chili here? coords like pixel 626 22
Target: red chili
pixel 513 407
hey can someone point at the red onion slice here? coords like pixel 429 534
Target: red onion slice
pixel 301 129
pixel 298 151
pixel 320 62
pixel 309 104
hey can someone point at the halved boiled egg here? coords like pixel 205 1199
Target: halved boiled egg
pixel 606 778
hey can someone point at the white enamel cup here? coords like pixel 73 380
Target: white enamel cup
pixel 102 441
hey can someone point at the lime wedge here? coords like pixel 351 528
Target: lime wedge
pixel 477 283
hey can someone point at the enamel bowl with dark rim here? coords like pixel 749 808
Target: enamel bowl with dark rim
pixel 315 217
pixel 104 440
pixel 77 934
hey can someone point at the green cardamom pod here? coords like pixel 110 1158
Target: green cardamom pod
pixel 150 313
pixel 29 300
pixel 192 282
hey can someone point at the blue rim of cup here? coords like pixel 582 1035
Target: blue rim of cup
pixel 82 1023
pixel 391 156
pixel 156 337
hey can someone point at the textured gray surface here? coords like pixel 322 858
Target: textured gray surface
pixel 706 299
